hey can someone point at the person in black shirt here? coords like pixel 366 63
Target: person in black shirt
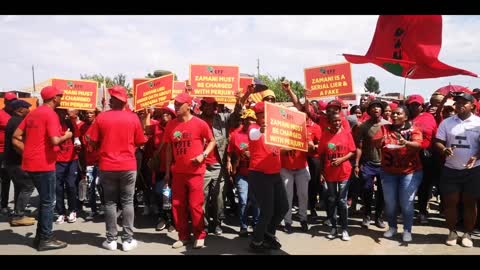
pixel 23 184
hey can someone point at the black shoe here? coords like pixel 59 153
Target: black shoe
pixel 304 226
pixel 313 213
pixel 171 228
pixel 161 225
pixel 243 232
pixel 380 224
pixel 260 248
pixel 218 230
pixel 288 228
pixel 51 244
pixel 36 242
pixel 271 242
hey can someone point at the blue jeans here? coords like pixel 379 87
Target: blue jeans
pixel 369 173
pixel 246 197
pixel 337 202
pixel 400 189
pixel 45 184
pixel 92 180
pixel 66 176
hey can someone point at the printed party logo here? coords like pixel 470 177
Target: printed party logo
pixel 213 71
pixel 70 84
pixel 332 147
pixel 327 71
pixel 243 146
pixel 177 135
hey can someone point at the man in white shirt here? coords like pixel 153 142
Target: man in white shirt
pixel 458 139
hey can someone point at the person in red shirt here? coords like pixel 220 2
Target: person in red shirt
pixel 66 172
pixel 118 133
pixel 89 164
pixel 430 158
pixel 267 185
pixel 313 160
pixel 37 137
pixel 5 178
pixel 238 159
pixel 294 171
pixel 402 170
pixel 185 137
pixel 336 147
pixel 158 165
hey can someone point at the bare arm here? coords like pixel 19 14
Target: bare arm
pixel 288 89
pixel 17 141
pixel 59 140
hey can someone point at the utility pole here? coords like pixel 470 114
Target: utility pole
pixel 258 67
pixel 33 76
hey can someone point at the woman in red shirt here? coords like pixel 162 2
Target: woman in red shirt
pixel 336 147
pixel 402 170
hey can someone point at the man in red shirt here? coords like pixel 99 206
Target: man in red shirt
pixel 37 137
pixel 66 172
pixel 89 163
pixel 267 185
pixel 5 115
pixel 431 165
pixel 185 137
pixel 238 160
pixel 118 133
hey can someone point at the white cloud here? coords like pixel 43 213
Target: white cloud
pixel 67 46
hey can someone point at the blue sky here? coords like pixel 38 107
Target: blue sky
pixel 67 46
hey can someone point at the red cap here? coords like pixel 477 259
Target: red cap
pixel 334 103
pixel 393 106
pixel 344 104
pixel 322 105
pixel 184 98
pixel 167 109
pixel 50 92
pixel 259 107
pixel 10 96
pixel 209 100
pixel 415 98
pixel 119 92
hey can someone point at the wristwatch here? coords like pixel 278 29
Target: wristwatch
pixel 205 155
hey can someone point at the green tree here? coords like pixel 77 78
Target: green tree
pixel 160 73
pixel 275 84
pixel 119 79
pixel 372 85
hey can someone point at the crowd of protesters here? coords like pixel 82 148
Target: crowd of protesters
pixel 186 162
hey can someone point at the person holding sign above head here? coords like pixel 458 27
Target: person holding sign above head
pixel 117 133
pixel 37 137
pixel 185 137
pixel 267 185
pixel 336 147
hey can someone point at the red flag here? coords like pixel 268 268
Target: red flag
pixel 408 46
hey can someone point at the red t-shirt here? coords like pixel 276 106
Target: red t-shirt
pixel 119 133
pixel 401 160
pixel 428 126
pixel 334 146
pixel 78 125
pixel 314 134
pixel 154 140
pixel 67 151
pixel 294 160
pixel 92 155
pixel 187 140
pixel 39 126
pixel 212 158
pixel 239 145
pixel 263 158
pixel 4 117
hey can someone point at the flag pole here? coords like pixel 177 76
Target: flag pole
pixel 404 87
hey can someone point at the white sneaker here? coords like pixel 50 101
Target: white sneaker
pixel 467 240
pixel 332 234
pixel 110 245
pixel 72 217
pixel 391 232
pixel 407 236
pixel 345 236
pixel 127 246
pixel 60 219
pixel 180 243
pixel 199 243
